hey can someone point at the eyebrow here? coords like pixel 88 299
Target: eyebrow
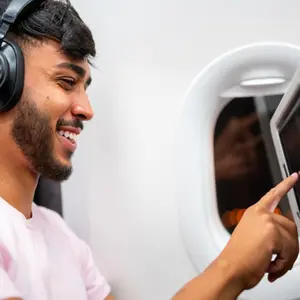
pixel 75 68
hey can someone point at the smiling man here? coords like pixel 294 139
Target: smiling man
pixel 40 257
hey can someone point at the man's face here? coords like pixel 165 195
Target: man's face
pixel 48 119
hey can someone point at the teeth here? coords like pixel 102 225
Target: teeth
pixel 72 136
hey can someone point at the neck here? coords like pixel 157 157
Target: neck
pixel 17 185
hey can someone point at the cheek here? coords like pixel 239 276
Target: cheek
pixel 57 104
pixel 53 106
pixel 49 97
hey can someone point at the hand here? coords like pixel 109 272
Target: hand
pixel 261 234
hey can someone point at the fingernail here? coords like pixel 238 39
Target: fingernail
pixel 295 175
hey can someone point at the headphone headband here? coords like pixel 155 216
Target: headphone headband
pixel 13 11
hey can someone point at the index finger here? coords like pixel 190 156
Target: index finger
pixel 271 200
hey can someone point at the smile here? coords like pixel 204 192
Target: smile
pixel 69 135
pixel 68 139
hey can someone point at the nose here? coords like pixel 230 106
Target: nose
pixel 82 108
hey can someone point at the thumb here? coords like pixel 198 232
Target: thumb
pixel 271 200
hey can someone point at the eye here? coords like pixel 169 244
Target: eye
pixel 67 83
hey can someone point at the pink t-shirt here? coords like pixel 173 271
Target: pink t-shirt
pixel 42 259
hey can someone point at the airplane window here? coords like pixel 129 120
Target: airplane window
pixel 246 167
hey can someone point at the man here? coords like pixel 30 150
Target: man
pixel 40 256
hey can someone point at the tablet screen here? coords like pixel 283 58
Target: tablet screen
pixel 290 139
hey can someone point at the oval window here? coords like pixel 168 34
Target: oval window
pixel 246 167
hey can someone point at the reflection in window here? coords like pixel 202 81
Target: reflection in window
pixel 246 167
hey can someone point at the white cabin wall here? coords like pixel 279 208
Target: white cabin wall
pixel 121 198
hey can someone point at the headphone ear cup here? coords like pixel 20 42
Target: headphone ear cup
pixel 11 75
pixel 4 70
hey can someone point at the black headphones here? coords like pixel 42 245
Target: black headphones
pixel 11 56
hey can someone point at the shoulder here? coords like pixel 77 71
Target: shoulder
pixel 48 215
pixel 56 226
pixel 97 286
pixel 55 222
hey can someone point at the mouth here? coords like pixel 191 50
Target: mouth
pixel 68 139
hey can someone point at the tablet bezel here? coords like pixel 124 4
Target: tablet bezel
pixel 279 119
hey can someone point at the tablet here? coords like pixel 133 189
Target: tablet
pixel 285 131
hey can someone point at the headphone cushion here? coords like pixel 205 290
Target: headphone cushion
pixel 11 75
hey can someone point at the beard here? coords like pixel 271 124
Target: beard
pixel 34 135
